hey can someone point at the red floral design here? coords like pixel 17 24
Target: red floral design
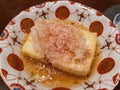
pixel 62 12
pixel 117 39
pixel 115 78
pixel 0 50
pixel 103 89
pixel 4 35
pixel 15 62
pixel 16 86
pixel 12 22
pixel 97 27
pixel 27 10
pixel 26 25
pixel 61 88
pixel 98 13
pixel 106 65
pixel 41 5
pixel 111 24
pixel 72 2
pixel 4 72
pixel 110 45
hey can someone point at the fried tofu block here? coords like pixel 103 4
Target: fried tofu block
pixel 76 67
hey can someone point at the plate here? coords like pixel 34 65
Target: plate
pixel 116 21
pixel 12 68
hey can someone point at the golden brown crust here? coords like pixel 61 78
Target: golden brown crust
pixel 76 66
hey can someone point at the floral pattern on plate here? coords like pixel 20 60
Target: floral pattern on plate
pixel 12 67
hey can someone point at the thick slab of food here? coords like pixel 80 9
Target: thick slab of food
pixel 66 44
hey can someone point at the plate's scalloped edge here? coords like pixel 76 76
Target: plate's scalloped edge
pixel 83 5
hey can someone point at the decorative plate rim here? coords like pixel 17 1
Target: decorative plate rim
pixel 89 8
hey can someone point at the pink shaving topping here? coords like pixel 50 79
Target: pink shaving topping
pixel 58 41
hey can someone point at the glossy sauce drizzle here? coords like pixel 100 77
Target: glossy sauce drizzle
pixel 51 77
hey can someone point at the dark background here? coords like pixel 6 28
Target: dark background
pixel 10 8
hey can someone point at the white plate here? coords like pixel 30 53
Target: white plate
pixel 12 67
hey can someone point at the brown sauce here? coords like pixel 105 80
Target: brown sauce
pixel 51 77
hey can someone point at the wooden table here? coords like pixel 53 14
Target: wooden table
pixel 10 8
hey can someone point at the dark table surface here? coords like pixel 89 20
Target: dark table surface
pixel 10 8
